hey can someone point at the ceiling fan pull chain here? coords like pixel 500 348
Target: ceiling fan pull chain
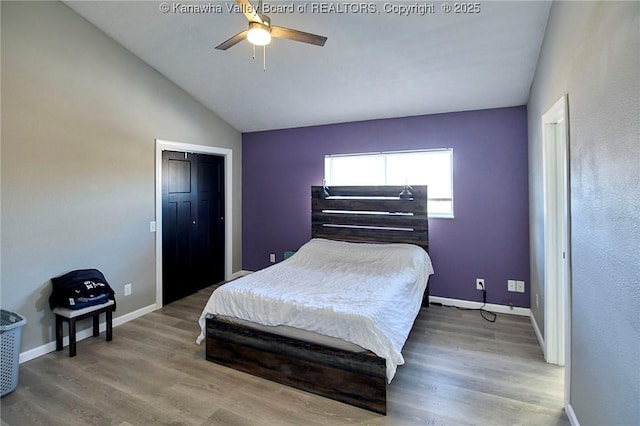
pixel 254 51
pixel 264 58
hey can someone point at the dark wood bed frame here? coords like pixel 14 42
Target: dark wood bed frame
pixel 345 213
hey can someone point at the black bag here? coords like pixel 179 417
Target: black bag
pixel 79 289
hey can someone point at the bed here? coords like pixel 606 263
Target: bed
pixel 331 319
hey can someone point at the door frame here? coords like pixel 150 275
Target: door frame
pixel 164 145
pixel 557 242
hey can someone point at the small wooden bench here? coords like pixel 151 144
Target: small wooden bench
pixel 71 316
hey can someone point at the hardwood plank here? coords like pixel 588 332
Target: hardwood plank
pixel 459 370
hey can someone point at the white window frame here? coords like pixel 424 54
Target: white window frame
pixel 384 180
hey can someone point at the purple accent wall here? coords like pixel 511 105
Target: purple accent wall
pixel 489 236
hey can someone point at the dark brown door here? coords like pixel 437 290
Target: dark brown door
pixel 192 223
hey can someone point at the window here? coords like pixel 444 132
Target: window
pixel 428 167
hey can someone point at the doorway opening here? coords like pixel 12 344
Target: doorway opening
pixel 555 146
pixel 224 155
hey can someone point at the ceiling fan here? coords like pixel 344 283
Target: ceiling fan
pixel 260 30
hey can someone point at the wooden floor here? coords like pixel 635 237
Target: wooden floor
pixel 459 369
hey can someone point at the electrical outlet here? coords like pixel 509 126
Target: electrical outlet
pixel 127 289
pixel 520 286
pixel 272 258
pixel 511 285
pixel 152 226
pixel 480 284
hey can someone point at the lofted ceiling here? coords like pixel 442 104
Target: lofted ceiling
pixel 375 64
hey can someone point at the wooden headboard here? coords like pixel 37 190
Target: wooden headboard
pixel 370 214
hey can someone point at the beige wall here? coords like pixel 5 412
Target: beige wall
pixel 591 52
pixel 80 115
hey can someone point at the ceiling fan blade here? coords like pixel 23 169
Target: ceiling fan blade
pixel 249 11
pixel 232 41
pixel 295 35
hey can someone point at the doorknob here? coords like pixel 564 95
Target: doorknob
pixel 194 222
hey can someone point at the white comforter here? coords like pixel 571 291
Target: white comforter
pixel 367 294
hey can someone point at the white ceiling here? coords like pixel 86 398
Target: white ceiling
pixel 374 65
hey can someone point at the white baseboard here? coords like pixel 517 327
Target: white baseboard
pixel 468 304
pixel 568 409
pixel 239 274
pixel 86 333
pixel 538 333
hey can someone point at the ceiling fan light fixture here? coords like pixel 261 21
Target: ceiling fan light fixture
pixel 259 34
pixel 260 30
